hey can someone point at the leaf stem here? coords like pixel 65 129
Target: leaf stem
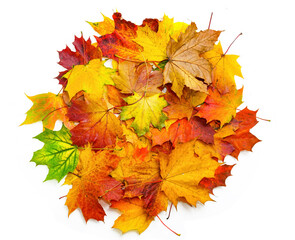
pixel 169 211
pixel 232 43
pixel 167 226
pixel 263 119
pixel 158 66
pixel 63 197
pixel 210 21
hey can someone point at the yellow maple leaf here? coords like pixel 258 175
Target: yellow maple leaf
pixel 225 67
pixel 182 171
pixel 154 43
pixel 90 77
pixel 107 26
pixel 145 111
pixel 173 28
pixel 48 108
pixel 134 215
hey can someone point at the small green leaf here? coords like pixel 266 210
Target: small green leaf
pixel 58 153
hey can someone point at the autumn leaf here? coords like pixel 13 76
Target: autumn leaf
pixel 134 215
pixel 242 139
pixel 173 28
pixel 120 41
pixel 184 131
pixel 154 43
pixel 91 78
pixel 139 78
pixel 85 52
pixel 58 153
pixel 220 148
pixel 48 108
pixel 185 67
pixel 132 137
pixel 221 107
pixel 225 67
pixel 143 180
pixel 177 175
pixel 145 111
pixel 91 181
pixel 221 174
pixel 182 173
pixel 107 26
pixel 97 124
pixel 115 97
pixel 184 106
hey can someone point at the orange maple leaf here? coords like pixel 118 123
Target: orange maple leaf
pixel 91 181
pixel 242 139
pixel 221 107
pixel 97 124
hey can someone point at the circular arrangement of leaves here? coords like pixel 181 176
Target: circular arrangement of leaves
pixel 152 129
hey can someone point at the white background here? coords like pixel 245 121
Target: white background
pixel 258 202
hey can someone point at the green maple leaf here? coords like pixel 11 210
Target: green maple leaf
pixel 58 153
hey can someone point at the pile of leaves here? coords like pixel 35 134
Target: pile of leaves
pixel 149 114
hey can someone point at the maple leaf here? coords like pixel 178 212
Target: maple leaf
pixel 174 29
pixel 154 43
pixel 181 173
pixel 242 139
pixel 120 41
pixel 141 172
pixel 58 153
pixel 97 124
pixel 107 26
pixel 184 131
pixel 225 67
pixel 91 181
pixel 221 107
pixel 145 111
pixel 91 78
pixel 221 174
pixel 134 215
pixel 183 107
pixel 220 148
pixel 85 52
pixel 48 108
pixel 114 96
pixel 185 66
pixel 139 78
pixel 153 40
pixel 177 175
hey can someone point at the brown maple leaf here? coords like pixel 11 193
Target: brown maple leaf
pixel 185 66
pixel 133 77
